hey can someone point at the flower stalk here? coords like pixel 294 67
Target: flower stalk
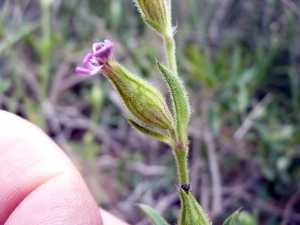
pixel 170 49
pixel 182 166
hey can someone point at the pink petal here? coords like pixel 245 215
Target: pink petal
pixel 83 71
pixel 104 53
pixel 86 61
pixel 108 43
pixel 97 46
pixel 96 70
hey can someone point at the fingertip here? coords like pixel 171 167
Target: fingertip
pixel 108 218
pixel 64 199
pixel 38 180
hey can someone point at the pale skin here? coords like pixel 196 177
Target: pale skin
pixel 38 182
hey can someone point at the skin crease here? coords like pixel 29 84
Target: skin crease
pixel 39 183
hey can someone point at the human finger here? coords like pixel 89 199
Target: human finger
pixel 39 183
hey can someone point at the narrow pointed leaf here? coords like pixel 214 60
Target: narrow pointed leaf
pixel 179 97
pixel 151 133
pixel 231 220
pixel 152 214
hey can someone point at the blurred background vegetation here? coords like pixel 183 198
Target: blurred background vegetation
pixel 240 60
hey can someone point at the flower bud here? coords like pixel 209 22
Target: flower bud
pixel 191 212
pixel 156 14
pixel 141 99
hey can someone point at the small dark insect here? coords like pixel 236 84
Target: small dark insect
pixel 186 187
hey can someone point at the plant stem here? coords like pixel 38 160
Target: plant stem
pixel 181 152
pixel 169 43
pixel 182 167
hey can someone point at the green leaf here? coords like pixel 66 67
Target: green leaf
pixel 198 66
pixel 246 218
pixel 152 214
pixel 151 133
pixel 180 99
pixel 231 220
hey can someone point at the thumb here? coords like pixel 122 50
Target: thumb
pixel 39 184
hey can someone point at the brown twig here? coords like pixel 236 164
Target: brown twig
pixel 292 6
pixel 212 158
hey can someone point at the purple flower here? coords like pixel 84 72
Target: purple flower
pixel 93 63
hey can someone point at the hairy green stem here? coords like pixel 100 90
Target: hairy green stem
pixel 169 43
pixel 182 167
pixel 181 150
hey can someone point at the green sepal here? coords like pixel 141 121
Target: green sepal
pixel 156 14
pixel 179 99
pixel 151 133
pixel 152 214
pixel 232 219
pixel 191 212
pixel 156 27
pixel 140 98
